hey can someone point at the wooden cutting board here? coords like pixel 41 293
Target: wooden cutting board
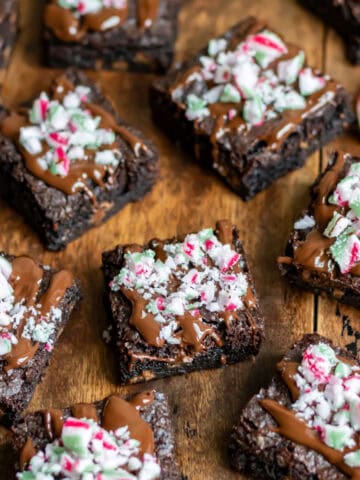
pixel 205 404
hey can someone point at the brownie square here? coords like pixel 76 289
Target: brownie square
pixel 344 17
pixel 182 304
pixel 323 252
pixel 69 162
pixel 135 35
pixel 249 107
pixel 35 305
pixel 304 425
pixel 131 437
pixel 8 29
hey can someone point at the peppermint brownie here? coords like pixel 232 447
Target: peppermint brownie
pixel 305 424
pixel 8 29
pixel 136 35
pixel 114 438
pixel 323 253
pixel 182 304
pixel 69 162
pixel 249 107
pixel 344 16
pixel 35 305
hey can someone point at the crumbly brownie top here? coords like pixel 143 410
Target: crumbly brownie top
pixel 332 227
pixel 250 81
pixel 172 284
pixel 66 140
pixel 70 20
pixel 28 315
pixel 119 445
pixel 324 412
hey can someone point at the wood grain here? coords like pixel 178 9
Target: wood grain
pixel 205 404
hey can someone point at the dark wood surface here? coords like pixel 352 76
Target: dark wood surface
pixel 205 404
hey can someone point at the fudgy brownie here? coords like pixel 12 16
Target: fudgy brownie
pixel 249 107
pixel 323 253
pixel 344 16
pixel 305 424
pixel 136 35
pixel 35 305
pixel 114 438
pixel 8 29
pixel 182 304
pixel 69 162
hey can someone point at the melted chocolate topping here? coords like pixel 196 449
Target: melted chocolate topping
pixel 296 430
pixel 26 280
pixel 116 413
pixel 81 171
pixel 313 253
pixel 69 28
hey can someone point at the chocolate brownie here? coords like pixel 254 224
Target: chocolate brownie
pixel 8 29
pixel 137 35
pixel 182 304
pixel 323 253
pixel 114 438
pixel 69 162
pixel 248 107
pixel 344 16
pixel 35 305
pixel 305 424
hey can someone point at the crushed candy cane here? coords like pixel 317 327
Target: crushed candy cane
pixel 206 274
pixel 87 451
pixel 329 399
pixel 37 328
pixel 245 77
pixel 344 227
pixel 62 132
pixel 85 7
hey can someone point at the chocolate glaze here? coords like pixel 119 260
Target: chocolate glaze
pixel 26 454
pixel 68 28
pixel 84 410
pixel 80 171
pixel 296 430
pixel 53 421
pixel 323 212
pixel 313 253
pixel 147 326
pixel 117 413
pixel 26 279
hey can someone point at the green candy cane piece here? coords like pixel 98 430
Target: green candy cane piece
pixel 337 437
pixel 206 234
pixel 230 94
pixel 342 370
pixel 195 103
pixel 327 352
pixel 355 207
pixel 352 459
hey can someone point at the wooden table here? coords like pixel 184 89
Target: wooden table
pixel 205 404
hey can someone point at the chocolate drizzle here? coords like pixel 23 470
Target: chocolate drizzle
pixel 296 430
pixel 69 28
pixel 313 252
pixel 81 171
pixel 116 413
pixel 26 279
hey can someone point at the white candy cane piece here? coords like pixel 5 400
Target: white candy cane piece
pixel 309 82
pixel 288 71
